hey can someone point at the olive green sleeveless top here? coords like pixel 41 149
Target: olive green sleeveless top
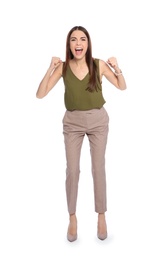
pixel 76 97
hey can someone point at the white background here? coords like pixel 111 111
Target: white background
pixel 33 212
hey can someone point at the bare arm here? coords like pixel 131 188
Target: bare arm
pixel 52 76
pixel 115 77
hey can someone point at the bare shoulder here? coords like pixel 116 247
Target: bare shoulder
pixel 104 67
pixel 59 69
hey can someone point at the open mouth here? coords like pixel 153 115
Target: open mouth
pixel 78 51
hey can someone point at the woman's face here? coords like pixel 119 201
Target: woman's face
pixel 78 44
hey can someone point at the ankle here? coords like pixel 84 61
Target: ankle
pixel 101 217
pixel 72 218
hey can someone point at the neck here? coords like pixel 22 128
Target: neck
pixel 80 62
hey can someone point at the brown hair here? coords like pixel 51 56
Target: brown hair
pixel 93 76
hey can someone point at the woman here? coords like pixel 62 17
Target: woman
pixel 85 115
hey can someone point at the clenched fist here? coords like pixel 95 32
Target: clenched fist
pixel 55 61
pixel 113 63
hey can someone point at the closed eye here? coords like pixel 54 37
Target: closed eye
pixel 83 38
pixel 74 39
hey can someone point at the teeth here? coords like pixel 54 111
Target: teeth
pixel 78 49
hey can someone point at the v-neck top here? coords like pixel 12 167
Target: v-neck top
pixel 76 97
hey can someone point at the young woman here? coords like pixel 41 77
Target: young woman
pixel 85 115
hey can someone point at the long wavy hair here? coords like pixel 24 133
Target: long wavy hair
pixel 93 75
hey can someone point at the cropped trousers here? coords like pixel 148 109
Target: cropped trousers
pixel 76 124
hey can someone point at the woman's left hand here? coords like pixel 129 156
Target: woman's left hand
pixel 113 63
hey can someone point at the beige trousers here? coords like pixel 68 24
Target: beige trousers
pixel 94 124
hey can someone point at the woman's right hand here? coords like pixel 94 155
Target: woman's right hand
pixel 55 62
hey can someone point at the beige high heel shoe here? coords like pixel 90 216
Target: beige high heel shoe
pixel 102 236
pixel 71 236
pixel 102 228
